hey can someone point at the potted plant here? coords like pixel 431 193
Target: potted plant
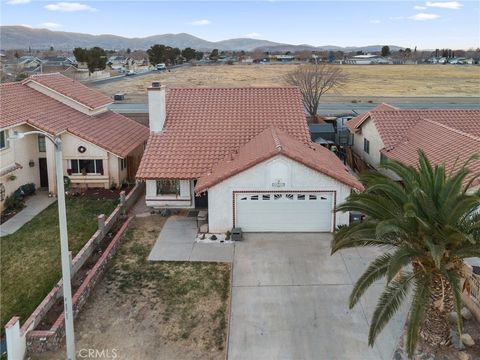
pixel 69 172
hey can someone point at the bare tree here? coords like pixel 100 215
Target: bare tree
pixel 314 80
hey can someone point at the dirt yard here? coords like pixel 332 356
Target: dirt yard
pixel 364 80
pixel 154 310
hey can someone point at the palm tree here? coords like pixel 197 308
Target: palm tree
pixel 426 224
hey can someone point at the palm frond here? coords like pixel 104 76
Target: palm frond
pixel 388 304
pixel 417 312
pixel 399 259
pixel 454 280
pixel 376 270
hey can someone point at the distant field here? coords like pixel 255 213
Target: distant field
pixel 364 80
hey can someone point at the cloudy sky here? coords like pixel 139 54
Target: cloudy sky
pixel 425 24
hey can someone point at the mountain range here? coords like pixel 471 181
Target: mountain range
pixel 21 37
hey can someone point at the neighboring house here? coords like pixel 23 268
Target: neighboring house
pixel 100 148
pixel 27 64
pixel 246 154
pixel 447 137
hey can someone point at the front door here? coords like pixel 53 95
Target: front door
pixel 42 163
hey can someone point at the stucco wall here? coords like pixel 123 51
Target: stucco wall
pixel 260 177
pixel 370 132
pixel 184 200
pixel 20 151
pixel 70 151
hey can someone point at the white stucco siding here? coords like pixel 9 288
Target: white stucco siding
pixel 369 132
pixel 70 145
pixel 294 175
pixel 184 200
pixel 22 151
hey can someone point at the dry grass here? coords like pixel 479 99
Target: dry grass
pixel 155 309
pixel 388 80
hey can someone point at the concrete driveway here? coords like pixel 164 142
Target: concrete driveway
pixel 289 301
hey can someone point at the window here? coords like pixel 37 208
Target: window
pixel 312 197
pixel 168 186
pixel 366 146
pixel 3 140
pixel 254 197
pixel 289 196
pixel 265 197
pixel 123 164
pixel 81 166
pixel 42 146
pixel 300 197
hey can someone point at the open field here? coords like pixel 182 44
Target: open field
pixel 154 309
pixel 364 80
pixel 30 258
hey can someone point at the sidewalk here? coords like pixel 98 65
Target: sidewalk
pixel 35 204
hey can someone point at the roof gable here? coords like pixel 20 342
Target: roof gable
pixel 71 89
pixel 355 123
pixel 272 142
pixel 20 104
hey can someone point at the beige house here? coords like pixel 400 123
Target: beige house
pixel 447 136
pixel 100 148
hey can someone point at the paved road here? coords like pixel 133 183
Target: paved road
pixel 335 108
pixel 289 301
pixel 124 77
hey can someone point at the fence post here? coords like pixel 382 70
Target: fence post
pixel 123 202
pixel 16 341
pixel 101 225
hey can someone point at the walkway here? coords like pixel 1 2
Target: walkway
pixel 176 242
pixel 35 204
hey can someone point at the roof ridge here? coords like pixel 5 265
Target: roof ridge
pixel 276 139
pixel 460 132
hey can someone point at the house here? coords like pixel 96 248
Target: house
pixel 27 64
pixel 246 154
pixel 100 148
pixel 367 59
pixel 447 137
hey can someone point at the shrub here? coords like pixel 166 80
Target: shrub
pixel 13 203
pixel 28 189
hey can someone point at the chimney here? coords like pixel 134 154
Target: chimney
pixel 156 106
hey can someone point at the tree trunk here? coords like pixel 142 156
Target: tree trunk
pixel 436 328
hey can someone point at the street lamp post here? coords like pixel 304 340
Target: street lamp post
pixel 65 256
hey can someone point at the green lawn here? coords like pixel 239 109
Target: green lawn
pixel 30 258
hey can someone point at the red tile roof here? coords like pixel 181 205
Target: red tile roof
pixel 115 133
pixel 447 136
pixel 442 145
pixel 272 142
pixel 203 126
pixel 357 121
pixel 71 88
pixel 393 125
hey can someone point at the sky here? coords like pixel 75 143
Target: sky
pixel 425 24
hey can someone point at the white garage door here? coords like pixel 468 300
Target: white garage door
pixel 284 212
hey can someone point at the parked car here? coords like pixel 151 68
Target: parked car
pixel 161 67
pixel 130 73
